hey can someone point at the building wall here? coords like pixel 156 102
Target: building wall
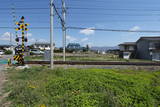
pixel 121 48
pixel 143 50
pixel 42 47
pixel 127 48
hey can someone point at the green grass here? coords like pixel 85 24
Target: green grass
pixel 33 58
pixel 95 57
pixel 83 88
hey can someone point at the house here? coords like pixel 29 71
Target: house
pixel 41 46
pixel 113 51
pixel 144 48
pixel 74 47
pixel 127 50
pixel 6 47
pixel 148 48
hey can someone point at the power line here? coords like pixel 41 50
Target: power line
pixel 96 29
pixel 116 14
pixel 6 27
pixel 24 8
pixel 59 16
pixel 115 30
pixel 84 8
pixel 119 9
pixel 90 13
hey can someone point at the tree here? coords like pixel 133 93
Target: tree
pixel 87 47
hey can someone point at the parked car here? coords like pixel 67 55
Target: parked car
pixel 1 52
pixel 36 52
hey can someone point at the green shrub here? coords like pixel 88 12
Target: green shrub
pixel 8 52
pixel 85 88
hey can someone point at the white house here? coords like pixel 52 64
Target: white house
pixel 42 46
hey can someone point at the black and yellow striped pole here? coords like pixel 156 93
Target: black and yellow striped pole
pixel 20 54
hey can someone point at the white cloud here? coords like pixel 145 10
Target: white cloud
pixel 5 36
pixel 70 38
pixel 88 31
pixel 131 36
pixel 135 28
pixel 84 39
pixel 42 40
pixel 31 40
pixel 29 34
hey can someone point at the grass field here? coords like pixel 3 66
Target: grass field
pixel 93 57
pixel 42 87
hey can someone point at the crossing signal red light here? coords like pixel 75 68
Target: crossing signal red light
pixel 22 18
pixel 26 29
pixel 17 39
pixel 25 39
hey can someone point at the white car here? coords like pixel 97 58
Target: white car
pixel 36 52
pixel 126 55
pixel 1 52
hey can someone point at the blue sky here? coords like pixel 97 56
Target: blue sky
pixel 109 14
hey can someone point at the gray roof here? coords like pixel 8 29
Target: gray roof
pixel 6 45
pixel 41 43
pixel 128 43
pixel 150 38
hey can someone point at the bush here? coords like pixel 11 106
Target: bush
pixel 8 52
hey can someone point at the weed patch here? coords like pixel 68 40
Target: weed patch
pixel 39 86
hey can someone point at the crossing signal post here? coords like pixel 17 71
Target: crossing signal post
pixel 20 49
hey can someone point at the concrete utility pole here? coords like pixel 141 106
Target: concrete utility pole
pixel 64 29
pixel 14 20
pixel 51 32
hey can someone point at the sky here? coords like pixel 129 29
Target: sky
pixel 106 14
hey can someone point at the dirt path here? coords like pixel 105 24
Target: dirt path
pixel 3 79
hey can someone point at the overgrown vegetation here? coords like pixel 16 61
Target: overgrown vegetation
pixel 41 87
pixel 94 57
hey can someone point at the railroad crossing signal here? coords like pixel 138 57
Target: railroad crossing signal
pixel 20 49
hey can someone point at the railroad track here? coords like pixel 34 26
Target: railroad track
pixel 95 63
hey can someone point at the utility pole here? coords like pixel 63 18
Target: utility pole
pixel 64 29
pixel 14 19
pixel 51 33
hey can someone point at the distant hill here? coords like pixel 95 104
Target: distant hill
pixel 96 48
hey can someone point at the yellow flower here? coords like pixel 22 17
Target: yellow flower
pixel 32 86
pixel 42 105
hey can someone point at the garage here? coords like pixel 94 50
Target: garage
pixel 156 56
